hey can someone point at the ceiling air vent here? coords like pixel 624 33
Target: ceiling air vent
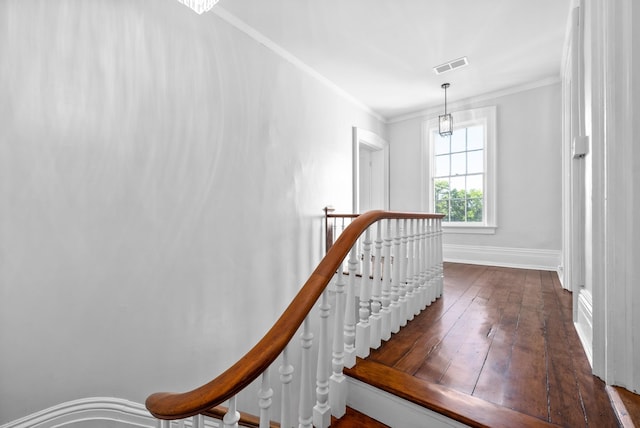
pixel 451 65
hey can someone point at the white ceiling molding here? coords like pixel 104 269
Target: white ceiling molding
pixel 288 56
pixel 382 54
pixel 435 110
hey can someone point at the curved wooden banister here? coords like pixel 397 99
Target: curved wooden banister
pixel 166 405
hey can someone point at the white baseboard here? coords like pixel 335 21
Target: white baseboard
pixel 118 412
pixel 392 410
pixel 584 323
pixel 503 256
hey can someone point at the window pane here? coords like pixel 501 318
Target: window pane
pixel 475 137
pixel 441 144
pixel 458 164
pixel 442 165
pixel 441 188
pixel 442 207
pixel 457 187
pixel 475 161
pixel 459 140
pixel 474 209
pixel 457 210
pixel 475 185
pixel 441 203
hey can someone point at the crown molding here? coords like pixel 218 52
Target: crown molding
pixel 468 102
pixel 263 40
pixel 294 60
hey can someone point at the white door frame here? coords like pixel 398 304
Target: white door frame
pixel 614 271
pixel 373 142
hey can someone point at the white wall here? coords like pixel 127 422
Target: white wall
pixel 151 160
pixel 529 144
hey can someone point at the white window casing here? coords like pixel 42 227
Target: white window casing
pixel 485 116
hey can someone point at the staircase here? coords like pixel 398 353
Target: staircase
pixel 346 308
pixel 381 275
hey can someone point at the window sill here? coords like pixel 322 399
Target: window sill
pixel 475 230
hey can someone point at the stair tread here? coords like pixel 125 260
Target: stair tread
pixel 456 405
pixel 355 419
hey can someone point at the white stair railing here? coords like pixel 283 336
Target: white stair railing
pixel 394 271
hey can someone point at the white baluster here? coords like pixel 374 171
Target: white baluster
pixel 161 423
pixel 424 264
pixel 402 282
pixel 286 375
pixel 360 256
pixel 350 313
pixel 322 411
pixel 395 282
pixel 417 286
pixel 433 268
pixel 337 381
pixel 439 257
pixel 265 395
pixel 410 296
pixel 197 421
pixel 376 291
pixel 305 414
pixel 431 256
pixel 363 329
pixel 386 286
pixel 232 417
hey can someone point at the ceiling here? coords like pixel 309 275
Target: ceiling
pixel 382 52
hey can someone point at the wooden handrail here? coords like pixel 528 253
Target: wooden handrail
pixel 166 405
pixel 345 215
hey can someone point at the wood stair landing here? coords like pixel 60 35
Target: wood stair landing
pixel 446 401
pixel 502 336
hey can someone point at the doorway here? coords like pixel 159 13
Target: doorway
pixel 370 171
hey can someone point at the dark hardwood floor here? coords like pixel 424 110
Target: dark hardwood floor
pixel 503 336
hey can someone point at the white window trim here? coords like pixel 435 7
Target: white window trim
pixel 462 119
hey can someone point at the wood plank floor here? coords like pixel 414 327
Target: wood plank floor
pixel 504 336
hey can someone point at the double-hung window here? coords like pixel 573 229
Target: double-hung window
pixel 461 171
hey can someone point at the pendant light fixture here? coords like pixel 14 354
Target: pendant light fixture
pixel 445 122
